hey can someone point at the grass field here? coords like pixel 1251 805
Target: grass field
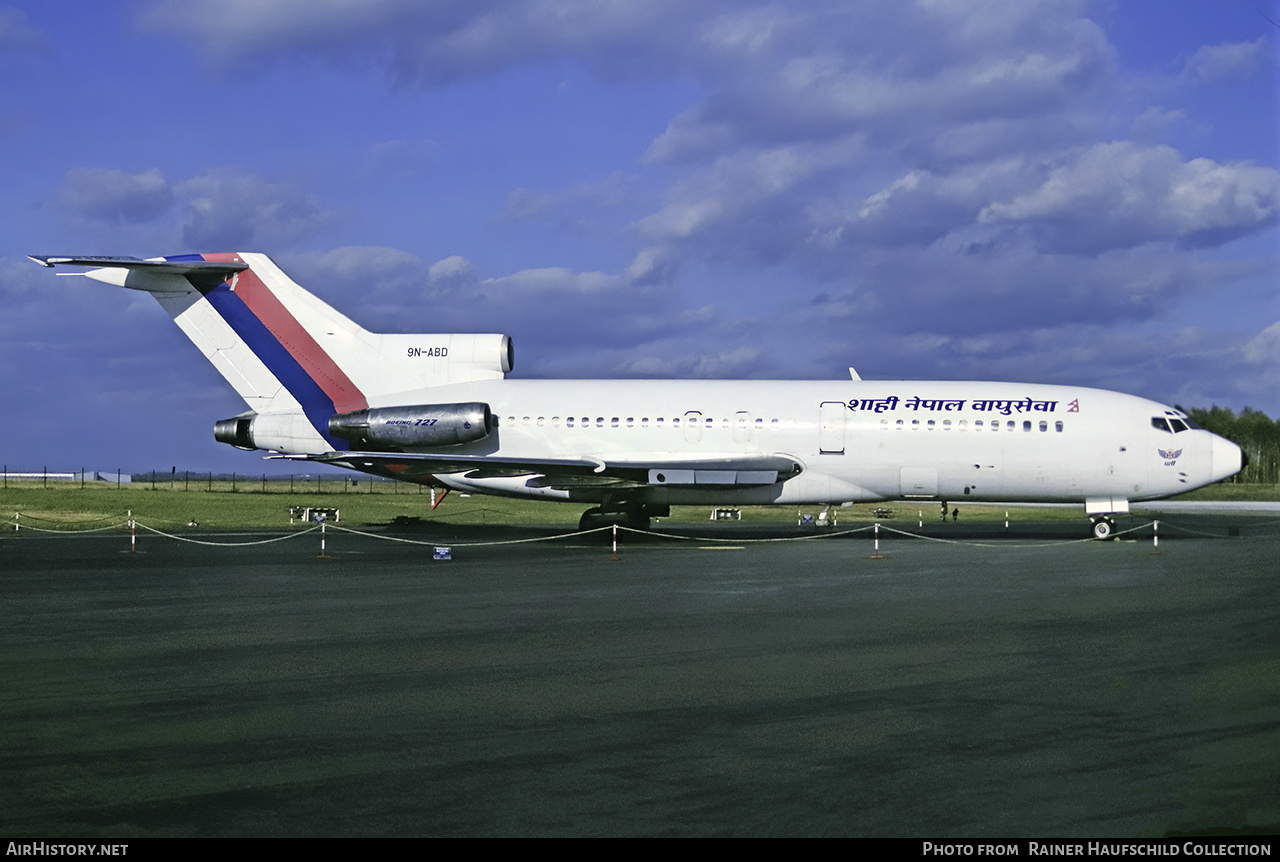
pixel 64 505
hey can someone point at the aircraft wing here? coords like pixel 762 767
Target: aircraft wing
pixel 728 470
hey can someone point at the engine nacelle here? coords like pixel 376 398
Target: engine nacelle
pixel 281 431
pixel 423 426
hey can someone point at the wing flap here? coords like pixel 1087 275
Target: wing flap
pixel 729 470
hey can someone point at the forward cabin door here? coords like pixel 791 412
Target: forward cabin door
pixel 742 431
pixel 831 415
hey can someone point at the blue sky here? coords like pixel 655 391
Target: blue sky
pixel 1040 190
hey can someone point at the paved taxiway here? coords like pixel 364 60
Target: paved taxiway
pixel 694 688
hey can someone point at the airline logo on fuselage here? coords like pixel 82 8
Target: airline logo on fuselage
pixel 1004 406
pixel 1170 456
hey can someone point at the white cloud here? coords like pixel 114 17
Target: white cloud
pixel 228 210
pixel 1122 194
pixel 115 196
pixel 1215 64
pixel 936 182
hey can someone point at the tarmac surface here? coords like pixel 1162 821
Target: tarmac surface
pixel 1016 684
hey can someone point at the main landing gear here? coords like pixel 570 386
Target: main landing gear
pixel 635 516
pixel 1104 527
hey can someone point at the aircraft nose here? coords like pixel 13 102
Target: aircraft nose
pixel 1226 458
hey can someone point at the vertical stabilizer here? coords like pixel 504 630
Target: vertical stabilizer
pixel 284 350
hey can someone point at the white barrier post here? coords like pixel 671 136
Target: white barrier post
pixel 15 522
pixel 322 553
pixel 1155 537
pixel 615 543
pixel 133 534
pixel 920 514
pixel 876 555
pixel 1006 519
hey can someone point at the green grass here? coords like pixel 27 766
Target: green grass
pixel 64 505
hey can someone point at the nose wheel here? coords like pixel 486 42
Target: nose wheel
pixel 1104 527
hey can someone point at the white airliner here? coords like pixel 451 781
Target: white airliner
pixel 437 409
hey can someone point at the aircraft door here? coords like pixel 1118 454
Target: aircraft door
pixel 692 426
pixel 917 482
pixel 742 430
pixel 831 416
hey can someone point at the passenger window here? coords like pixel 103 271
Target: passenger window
pixel 915 424
pixel 931 424
pixel 946 424
pixel 631 421
pixel 644 422
pixel 1011 425
pixel 1026 425
pixel 555 420
pixel 900 424
pixel 1057 425
pixel 568 422
pixel 675 422
pixel 977 424
pixel 599 421
pixel 542 420
pixel 1044 426
pixel 884 424
pixel 526 420
pixel 613 423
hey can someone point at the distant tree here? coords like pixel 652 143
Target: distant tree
pixel 1253 431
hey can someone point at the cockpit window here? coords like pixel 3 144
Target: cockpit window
pixel 1178 425
pixel 1159 422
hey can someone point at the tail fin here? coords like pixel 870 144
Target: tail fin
pixel 284 350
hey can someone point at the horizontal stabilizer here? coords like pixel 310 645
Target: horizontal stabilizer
pixel 167 267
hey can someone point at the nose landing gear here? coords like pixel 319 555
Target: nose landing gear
pixel 1104 527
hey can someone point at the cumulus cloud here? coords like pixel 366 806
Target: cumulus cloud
pixel 1215 64
pixel 937 181
pixel 1123 194
pixel 115 196
pixel 230 210
pixel 426 43
pixel 217 210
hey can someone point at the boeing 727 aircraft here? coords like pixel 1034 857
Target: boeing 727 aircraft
pixel 438 409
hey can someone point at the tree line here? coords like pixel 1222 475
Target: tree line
pixel 1253 431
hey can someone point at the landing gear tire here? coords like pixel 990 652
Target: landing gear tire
pixel 635 519
pixel 1103 528
pixel 590 519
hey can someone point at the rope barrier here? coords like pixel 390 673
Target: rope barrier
pixel 578 534
pixel 736 539
pixel 115 526
pixel 1053 544
pixel 57 521
pixel 226 544
pixel 574 534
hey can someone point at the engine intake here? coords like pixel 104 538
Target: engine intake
pixel 424 426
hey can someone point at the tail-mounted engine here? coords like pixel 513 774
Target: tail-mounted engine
pixel 424 426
